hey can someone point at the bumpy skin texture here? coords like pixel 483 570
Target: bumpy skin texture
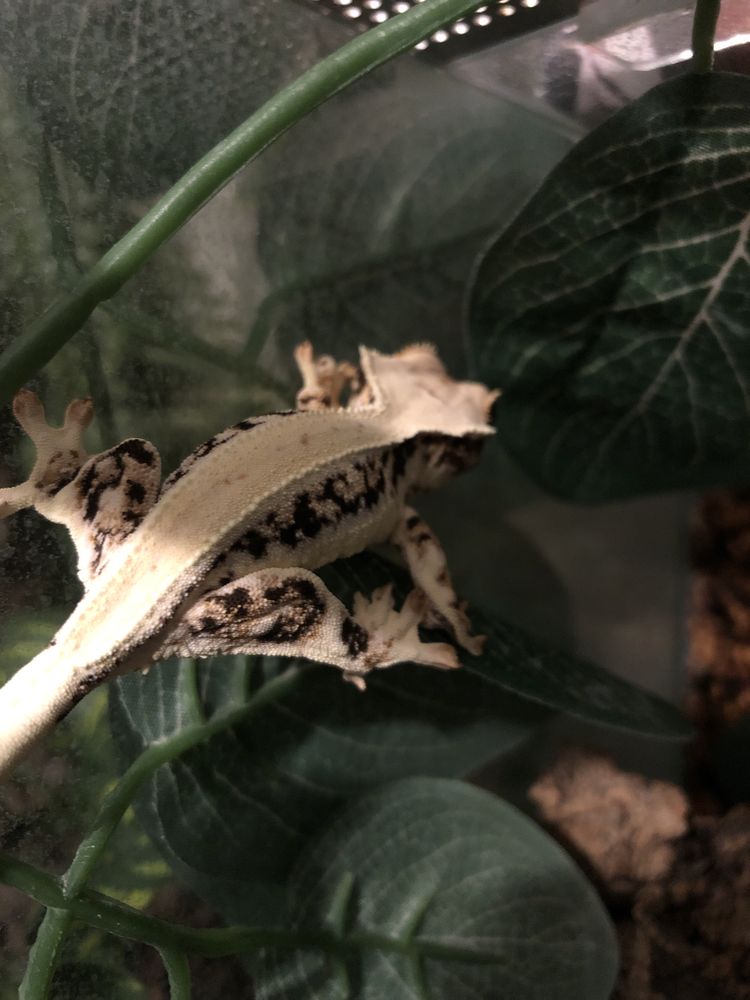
pixel 221 559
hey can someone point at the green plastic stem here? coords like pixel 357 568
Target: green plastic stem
pixel 705 20
pixel 37 345
pixel 45 951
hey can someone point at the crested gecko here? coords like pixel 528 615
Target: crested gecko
pixel 220 558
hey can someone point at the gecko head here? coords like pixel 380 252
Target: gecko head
pixel 415 386
pixel 447 418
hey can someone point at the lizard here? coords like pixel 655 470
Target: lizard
pixel 220 558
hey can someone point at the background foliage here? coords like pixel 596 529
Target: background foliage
pixel 336 815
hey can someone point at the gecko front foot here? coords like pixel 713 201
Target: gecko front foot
pixel 323 379
pixel 394 635
pixel 59 450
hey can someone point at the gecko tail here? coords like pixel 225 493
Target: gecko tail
pixel 34 699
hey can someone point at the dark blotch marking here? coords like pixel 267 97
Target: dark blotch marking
pixel 288 536
pixel 93 486
pixel 135 491
pixel 60 483
pixel 106 472
pixel 401 454
pixel 253 543
pixel 301 608
pixel 361 488
pixel 354 637
pixel 235 604
pixel 275 594
pixel 305 518
pixel 328 492
pixel 413 521
pixel 374 490
pixel 136 449
pixel 86 491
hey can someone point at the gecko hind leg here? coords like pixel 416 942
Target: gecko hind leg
pixel 429 571
pixel 59 451
pixel 292 613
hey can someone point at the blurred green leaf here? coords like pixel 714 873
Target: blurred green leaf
pixel 521 665
pixel 369 235
pixel 442 892
pixel 140 91
pixel 239 808
pixel 24 634
pixel 614 310
pixel 236 810
pixel 518 663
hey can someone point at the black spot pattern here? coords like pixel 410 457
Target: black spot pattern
pixel 129 474
pixel 140 451
pixel 135 491
pixel 106 472
pixel 235 603
pixel 253 543
pixel 62 481
pixel 401 454
pixel 326 504
pixel 336 497
pixel 354 637
pixel 294 607
pixel 300 609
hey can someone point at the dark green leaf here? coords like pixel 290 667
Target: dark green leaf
pixel 232 814
pixel 614 311
pixel 519 664
pixel 138 92
pixel 369 235
pixel 241 806
pixel 441 892
pixel 24 634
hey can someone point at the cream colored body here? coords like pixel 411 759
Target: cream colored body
pixel 150 578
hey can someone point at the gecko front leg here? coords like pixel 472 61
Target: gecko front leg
pixel 429 571
pixel 292 613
